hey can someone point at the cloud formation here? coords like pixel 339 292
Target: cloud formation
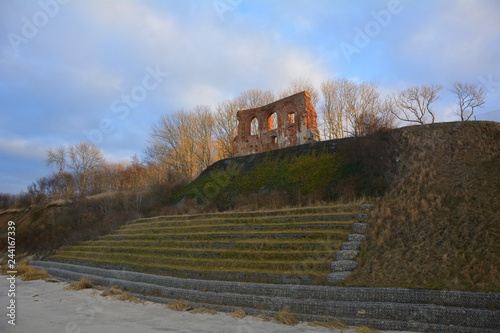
pixel 64 80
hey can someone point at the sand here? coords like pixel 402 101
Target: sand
pixel 46 307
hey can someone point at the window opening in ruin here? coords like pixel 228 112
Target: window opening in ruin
pixel 291 118
pixel 274 139
pixel 254 127
pixel 272 121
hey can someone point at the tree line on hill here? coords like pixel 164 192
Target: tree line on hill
pixel 184 143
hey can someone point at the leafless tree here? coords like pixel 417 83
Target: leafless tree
pixel 171 143
pixel 470 97
pixel 226 128
pixel 57 158
pixel 352 109
pixel 298 85
pixel 362 102
pixel 183 141
pixel 204 126
pixel 331 110
pixel 414 103
pixel 83 158
pixel 254 98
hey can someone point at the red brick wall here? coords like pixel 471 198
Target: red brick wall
pixel 303 129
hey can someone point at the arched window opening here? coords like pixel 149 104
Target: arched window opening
pixel 254 127
pixel 272 121
pixel 274 139
pixel 291 118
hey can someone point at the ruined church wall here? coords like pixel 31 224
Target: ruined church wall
pixel 295 125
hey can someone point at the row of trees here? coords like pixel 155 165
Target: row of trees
pixel 188 141
pixel 184 143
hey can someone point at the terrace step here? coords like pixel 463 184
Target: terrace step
pixel 347 209
pixel 249 227
pixel 217 244
pixel 206 253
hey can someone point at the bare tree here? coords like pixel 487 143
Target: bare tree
pixel 414 103
pixel 470 97
pixel 83 158
pixel 362 106
pixel 226 128
pixel 171 143
pixel 57 158
pixel 204 126
pixel 254 98
pixel 352 109
pixel 298 85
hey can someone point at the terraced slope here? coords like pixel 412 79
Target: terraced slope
pixel 281 246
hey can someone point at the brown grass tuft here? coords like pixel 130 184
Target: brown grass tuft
pixel 264 317
pixel 287 318
pixel 130 298
pixel 365 329
pixel 330 324
pixel 84 283
pixel 180 305
pixel 29 273
pixel 113 291
pixel 203 310
pixel 238 314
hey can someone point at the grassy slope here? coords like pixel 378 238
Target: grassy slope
pixel 438 226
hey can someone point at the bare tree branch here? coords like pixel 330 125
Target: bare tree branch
pixel 470 97
pixel 414 103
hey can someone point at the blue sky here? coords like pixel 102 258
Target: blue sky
pixel 105 71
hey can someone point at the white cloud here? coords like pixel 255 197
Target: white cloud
pixel 32 149
pixel 209 61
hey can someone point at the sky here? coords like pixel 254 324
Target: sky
pixel 106 71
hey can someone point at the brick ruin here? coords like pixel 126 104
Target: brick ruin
pixel 287 122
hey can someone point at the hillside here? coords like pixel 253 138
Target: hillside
pixel 435 225
pixel 436 189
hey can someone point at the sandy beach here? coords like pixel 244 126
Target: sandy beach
pixel 46 307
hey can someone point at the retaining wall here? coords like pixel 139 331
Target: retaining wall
pixel 380 308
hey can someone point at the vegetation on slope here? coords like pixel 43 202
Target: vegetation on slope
pixel 438 226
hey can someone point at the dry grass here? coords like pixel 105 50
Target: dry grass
pixel 336 324
pixel 264 317
pixel 438 226
pixel 203 310
pixel 130 298
pixel 365 329
pixel 180 305
pixel 113 291
pixel 238 314
pixel 29 273
pixel 84 283
pixel 287 318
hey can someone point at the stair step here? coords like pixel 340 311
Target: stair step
pixel 343 265
pixel 346 254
